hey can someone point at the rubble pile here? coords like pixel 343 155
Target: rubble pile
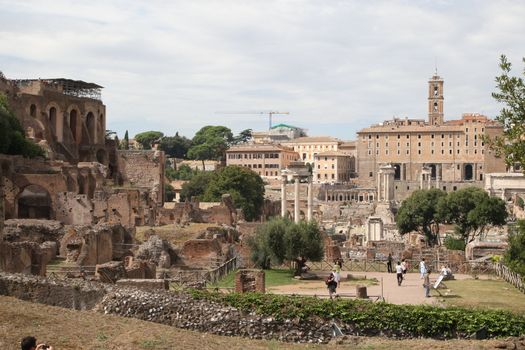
pixel 182 311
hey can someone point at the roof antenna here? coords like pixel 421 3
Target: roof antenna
pixel 435 65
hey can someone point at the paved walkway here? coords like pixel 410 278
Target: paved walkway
pixel 411 290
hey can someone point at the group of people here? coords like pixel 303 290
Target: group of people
pixel 401 270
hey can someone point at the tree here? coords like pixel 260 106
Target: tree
pixel 175 146
pixel 280 240
pixel 196 186
pixel 184 172
pixel 515 254
pixel 147 138
pixel 169 192
pixel 512 93
pixel 472 210
pixel 245 187
pixel 125 142
pixel 12 137
pixel 243 137
pixel 419 213
pixel 210 142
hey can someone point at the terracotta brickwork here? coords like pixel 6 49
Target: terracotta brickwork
pixel 249 281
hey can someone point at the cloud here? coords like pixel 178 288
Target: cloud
pixel 337 66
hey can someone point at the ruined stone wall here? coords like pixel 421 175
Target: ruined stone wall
pixel 77 295
pixel 73 209
pixel 144 169
pixel 199 253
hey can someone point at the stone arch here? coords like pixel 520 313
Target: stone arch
pixel 73 122
pixel 91 125
pixel 433 171
pixel 468 172
pixel 34 202
pixel 55 121
pixel 397 172
pixel 101 128
pixel 32 110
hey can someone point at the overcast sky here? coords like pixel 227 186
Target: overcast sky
pixel 336 66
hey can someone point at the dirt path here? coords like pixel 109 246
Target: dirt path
pixel 411 290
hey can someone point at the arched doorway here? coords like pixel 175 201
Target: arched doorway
pixel 468 172
pixel 34 203
pixel 52 117
pixel 32 111
pixel 90 124
pixel 73 115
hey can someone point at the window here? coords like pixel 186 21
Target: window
pixel 419 144
pixel 432 136
pixel 419 136
pixel 370 174
pixel 398 136
pixel 442 151
pixel 408 136
pixel 442 136
pixel 333 176
pixel 418 151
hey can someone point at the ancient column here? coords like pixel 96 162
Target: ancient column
pixel 378 186
pixel 428 182
pixel 283 195
pixel 310 199
pixel 296 198
pixel 421 180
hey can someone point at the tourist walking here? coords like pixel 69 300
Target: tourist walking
pixel 389 263
pixel 399 273
pixel 426 283
pixel 331 284
pixel 404 266
pixel 422 268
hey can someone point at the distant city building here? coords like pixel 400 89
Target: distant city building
pixel 309 146
pixel 267 160
pixel 278 133
pixel 333 167
pixel 209 165
pixel 453 152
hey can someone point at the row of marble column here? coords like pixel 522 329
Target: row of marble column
pixel 297 183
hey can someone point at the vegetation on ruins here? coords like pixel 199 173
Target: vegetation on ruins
pixel 147 138
pixel 175 146
pixel 245 187
pixel 419 213
pixel 280 240
pixel 12 137
pixel 470 209
pixel 367 318
pixel 451 242
pixel 210 142
pixel 243 137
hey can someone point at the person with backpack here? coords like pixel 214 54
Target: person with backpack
pixel 331 284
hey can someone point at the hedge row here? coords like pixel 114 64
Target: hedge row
pixel 368 318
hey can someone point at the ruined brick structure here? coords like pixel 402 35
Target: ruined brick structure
pixel 249 281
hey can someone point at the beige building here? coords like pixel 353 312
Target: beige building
pixel 454 151
pixel 333 167
pixel 309 146
pixel 267 160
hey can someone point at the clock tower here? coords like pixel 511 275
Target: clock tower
pixel 435 100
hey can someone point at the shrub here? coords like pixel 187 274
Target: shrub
pixel 520 203
pixel 452 243
pixel 365 317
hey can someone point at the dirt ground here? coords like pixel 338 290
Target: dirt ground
pixel 411 290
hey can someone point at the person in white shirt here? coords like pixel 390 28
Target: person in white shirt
pixel 422 268
pixel 399 273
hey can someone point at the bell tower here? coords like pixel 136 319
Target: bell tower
pixel 435 100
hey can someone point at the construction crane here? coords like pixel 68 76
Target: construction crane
pixel 269 113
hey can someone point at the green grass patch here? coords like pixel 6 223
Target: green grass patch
pixel 483 294
pixel 272 278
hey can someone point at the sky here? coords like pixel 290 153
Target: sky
pixel 335 66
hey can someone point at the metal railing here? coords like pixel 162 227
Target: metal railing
pixel 199 278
